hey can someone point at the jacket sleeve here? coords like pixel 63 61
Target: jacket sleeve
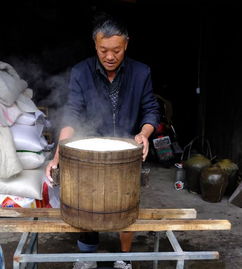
pixel 150 110
pixel 74 109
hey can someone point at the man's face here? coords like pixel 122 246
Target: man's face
pixel 111 50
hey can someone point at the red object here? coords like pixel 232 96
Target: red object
pixel 45 202
pixel 8 202
pixel 160 129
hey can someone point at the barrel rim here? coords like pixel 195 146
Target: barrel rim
pixel 127 139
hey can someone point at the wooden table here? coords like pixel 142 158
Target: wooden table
pixel 30 222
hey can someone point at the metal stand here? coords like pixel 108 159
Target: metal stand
pixel 2 262
pixel 29 258
pixel 30 222
pixel 179 254
pixel 30 240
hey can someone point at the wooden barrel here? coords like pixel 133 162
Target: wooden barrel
pixel 100 190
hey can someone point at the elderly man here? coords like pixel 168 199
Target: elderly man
pixel 110 95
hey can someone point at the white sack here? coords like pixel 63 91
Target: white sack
pixel 10 84
pixel 28 183
pixel 25 103
pixel 28 92
pixel 30 118
pixel 28 137
pixel 9 162
pixel 9 69
pixel 9 114
pixel 31 160
pixel 26 119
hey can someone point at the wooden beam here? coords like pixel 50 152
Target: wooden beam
pixel 144 213
pixel 55 226
pixel 30 212
pixel 187 213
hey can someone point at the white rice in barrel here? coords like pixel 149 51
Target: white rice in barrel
pixel 100 144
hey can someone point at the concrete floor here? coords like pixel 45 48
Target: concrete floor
pixel 159 194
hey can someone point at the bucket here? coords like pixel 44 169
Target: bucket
pixel 100 190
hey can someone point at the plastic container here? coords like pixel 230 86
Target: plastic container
pixel 180 175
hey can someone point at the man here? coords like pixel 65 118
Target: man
pixel 110 95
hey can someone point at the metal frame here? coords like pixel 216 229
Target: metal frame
pixel 30 240
pixel 29 257
pixel 2 262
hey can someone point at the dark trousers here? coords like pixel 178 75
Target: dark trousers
pixel 88 242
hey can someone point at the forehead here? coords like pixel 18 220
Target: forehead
pixel 110 42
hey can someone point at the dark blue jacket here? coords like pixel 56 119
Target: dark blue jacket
pixel 89 108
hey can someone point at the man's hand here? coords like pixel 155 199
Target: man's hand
pixel 53 164
pixel 142 139
pixel 66 132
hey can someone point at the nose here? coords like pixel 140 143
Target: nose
pixel 110 56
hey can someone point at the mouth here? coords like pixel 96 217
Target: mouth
pixel 109 64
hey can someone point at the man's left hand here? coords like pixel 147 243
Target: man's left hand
pixel 142 139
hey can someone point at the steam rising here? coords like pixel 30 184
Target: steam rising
pixel 49 90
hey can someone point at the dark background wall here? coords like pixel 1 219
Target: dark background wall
pixel 187 46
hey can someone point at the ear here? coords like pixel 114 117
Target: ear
pixel 126 44
pixel 95 45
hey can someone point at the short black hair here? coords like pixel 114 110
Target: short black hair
pixel 109 26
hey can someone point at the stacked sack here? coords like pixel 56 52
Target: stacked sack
pixel 22 144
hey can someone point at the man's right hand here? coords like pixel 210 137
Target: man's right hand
pixel 66 132
pixel 53 164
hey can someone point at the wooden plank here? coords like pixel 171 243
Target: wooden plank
pixel 178 225
pixel 49 226
pixel 30 212
pixel 153 213
pixel 144 213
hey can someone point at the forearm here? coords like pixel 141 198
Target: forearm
pixel 65 133
pixel 147 130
